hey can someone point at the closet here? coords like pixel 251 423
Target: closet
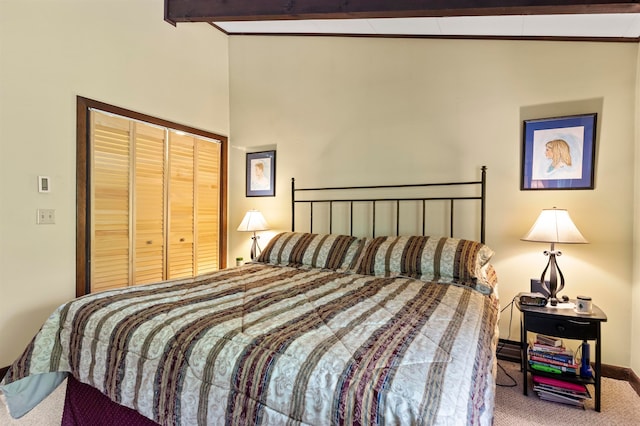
pixel 154 202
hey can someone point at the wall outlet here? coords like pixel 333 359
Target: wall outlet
pixel 46 216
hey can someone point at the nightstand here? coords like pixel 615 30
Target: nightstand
pixel 564 323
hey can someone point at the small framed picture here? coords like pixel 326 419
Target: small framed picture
pixel 261 174
pixel 559 153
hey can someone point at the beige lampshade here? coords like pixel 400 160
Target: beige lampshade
pixel 554 226
pixel 253 221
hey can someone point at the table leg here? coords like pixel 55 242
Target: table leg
pixel 523 354
pixel 598 372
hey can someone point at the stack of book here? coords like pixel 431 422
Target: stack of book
pixel 556 390
pixel 549 355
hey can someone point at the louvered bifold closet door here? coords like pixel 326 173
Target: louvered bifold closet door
pixel 149 247
pixel 155 203
pixel 181 206
pixel 110 174
pixel 207 206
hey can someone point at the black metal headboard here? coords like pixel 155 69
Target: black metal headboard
pixel 476 187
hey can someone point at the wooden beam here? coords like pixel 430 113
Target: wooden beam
pixel 242 10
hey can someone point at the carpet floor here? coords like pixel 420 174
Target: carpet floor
pixel 620 406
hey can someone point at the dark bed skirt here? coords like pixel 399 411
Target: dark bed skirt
pixel 84 405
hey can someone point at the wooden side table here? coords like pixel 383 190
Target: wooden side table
pixel 564 323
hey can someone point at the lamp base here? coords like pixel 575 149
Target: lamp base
pixel 554 272
pixel 255 248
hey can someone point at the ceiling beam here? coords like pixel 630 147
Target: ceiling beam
pixel 260 10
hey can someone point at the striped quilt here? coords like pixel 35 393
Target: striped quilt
pixel 264 344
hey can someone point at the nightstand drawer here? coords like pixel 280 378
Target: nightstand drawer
pixel 568 328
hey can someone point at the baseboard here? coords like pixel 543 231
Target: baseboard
pixel 634 381
pixel 509 350
pixel 622 373
pixel 618 373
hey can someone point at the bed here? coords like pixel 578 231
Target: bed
pixel 323 328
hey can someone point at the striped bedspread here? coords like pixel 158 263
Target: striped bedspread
pixel 264 344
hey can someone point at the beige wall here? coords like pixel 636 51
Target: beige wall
pixel 337 110
pixel 635 297
pixel 353 110
pixel 118 52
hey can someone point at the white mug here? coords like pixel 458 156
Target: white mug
pixel 584 305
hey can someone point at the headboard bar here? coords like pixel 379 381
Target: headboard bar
pixel 451 218
pixel 483 203
pixel 424 216
pixel 411 185
pixel 398 200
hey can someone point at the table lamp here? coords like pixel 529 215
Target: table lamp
pixel 253 221
pixel 554 226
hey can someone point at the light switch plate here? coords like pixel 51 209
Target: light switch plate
pixel 46 216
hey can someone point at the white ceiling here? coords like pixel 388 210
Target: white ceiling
pixel 626 25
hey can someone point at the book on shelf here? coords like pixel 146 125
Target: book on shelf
pixel 566 358
pixel 569 362
pixel 551 368
pixel 558 350
pixel 562 391
pixel 550 389
pixel 552 381
pixel 561 399
pixel 548 340
pixel 553 359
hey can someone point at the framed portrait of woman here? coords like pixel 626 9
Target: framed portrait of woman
pixel 559 153
pixel 261 174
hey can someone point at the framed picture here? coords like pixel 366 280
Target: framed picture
pixel 559 153
pixel 261 174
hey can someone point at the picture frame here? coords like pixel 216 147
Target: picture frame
pixel 559 153
pixel 261 174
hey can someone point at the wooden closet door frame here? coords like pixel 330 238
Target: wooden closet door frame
pixel 83 212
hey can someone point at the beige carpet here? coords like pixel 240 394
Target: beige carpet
pixel 620 406
pixel 47 413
